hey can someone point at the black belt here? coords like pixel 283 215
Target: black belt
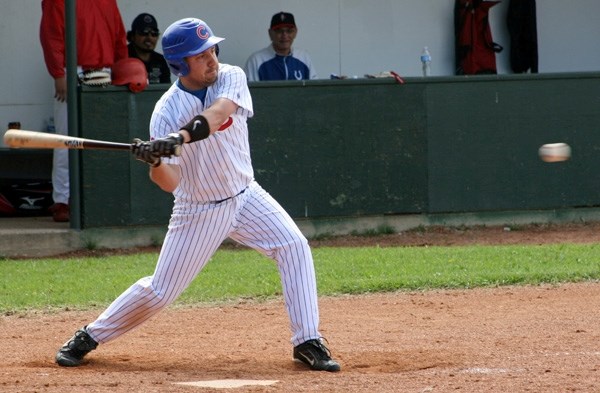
pixel 226 199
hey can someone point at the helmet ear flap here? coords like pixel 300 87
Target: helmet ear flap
pixel 178 67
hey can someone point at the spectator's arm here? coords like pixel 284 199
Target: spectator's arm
pixel 52 37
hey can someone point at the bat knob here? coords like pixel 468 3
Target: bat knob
pixel 177 151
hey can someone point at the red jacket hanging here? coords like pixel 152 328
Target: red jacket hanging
pixel 474 48
pixel 101 38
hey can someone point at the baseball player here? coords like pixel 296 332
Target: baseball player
pixel 216 197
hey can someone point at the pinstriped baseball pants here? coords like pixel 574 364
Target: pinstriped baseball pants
pixel 252 218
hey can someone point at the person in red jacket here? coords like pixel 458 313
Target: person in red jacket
pixel 101 41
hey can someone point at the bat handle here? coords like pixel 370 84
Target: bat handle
pixel 134 146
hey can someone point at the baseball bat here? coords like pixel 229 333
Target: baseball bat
pixel 40 140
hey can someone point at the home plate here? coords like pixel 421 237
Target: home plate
pixel 228 383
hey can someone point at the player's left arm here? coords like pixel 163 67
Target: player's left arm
pixel 219 112
pixel 209 121
pixel 232 95
pixel 200 127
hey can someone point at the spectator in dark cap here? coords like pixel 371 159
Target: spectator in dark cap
pixel 142 42
pixel 279 61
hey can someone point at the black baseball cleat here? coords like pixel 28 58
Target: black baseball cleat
pixel 72 352
pixel 316 355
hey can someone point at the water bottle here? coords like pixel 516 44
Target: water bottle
pixel 426 61
pixel 50 125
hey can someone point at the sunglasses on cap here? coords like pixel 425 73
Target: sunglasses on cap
pixel 149 32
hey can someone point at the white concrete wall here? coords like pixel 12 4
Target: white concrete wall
pixel 346 37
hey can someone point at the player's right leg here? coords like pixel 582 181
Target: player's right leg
pixel 72 352
pixel 190 242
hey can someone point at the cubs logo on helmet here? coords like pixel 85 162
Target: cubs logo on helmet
pixel 202 32
pixel 186 37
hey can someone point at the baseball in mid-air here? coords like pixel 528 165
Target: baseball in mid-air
pixel 555 152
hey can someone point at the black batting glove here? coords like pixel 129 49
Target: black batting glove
pixel 143 151
pixel 167 146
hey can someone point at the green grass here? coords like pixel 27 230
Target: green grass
pixel 48 284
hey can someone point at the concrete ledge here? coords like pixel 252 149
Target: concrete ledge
pixel 400 223
pixel 36 242
pixel 122 237
pixel 39 236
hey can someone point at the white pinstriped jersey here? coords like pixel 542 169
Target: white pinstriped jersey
pixel 220 166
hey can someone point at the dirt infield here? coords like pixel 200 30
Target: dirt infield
pixel 517 339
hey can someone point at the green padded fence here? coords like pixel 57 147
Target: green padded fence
pixel 372 146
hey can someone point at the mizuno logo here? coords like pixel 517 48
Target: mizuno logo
pixel 30 200
pixel 30 205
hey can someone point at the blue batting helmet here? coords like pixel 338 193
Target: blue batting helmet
pixel 184 38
